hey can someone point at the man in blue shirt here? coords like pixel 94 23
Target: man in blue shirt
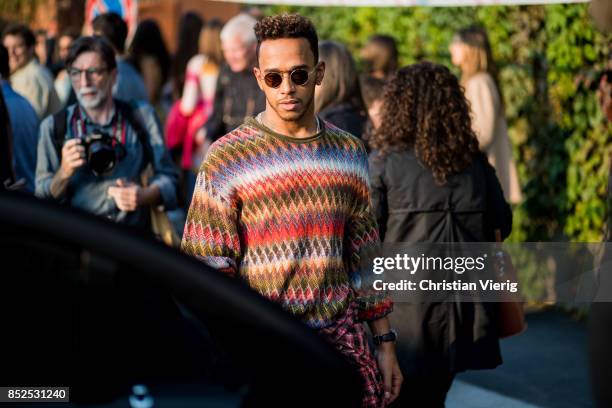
pixel 66 171
pixel 24 126
pixel 129 85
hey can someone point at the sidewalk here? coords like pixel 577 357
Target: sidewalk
pixel 546 366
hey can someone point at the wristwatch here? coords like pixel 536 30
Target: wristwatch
pixel 383 338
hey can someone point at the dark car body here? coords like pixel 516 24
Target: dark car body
pixel 99 307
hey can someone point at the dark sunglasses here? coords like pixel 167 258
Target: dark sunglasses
pixel 298 76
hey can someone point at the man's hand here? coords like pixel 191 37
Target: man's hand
pixel 390 370
pixel 73 158
pixel 127 195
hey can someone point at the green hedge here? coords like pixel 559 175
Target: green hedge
pixel 549 57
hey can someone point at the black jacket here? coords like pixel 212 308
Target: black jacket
pixel 237 97
pixel 346 117
pixel 411 207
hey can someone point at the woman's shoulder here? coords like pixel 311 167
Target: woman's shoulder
pixel 196 62
pixel 479 80
pixel 403 163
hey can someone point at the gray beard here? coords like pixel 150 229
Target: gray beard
pixel 92 103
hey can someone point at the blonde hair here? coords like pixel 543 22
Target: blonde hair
pixel 210 42
pixel 341 83
pixel 478 55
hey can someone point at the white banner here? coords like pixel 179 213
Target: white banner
pixel 405 3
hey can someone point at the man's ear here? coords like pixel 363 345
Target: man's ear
pixel 320 72
pixel 257 73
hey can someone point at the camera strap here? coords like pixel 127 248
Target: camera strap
pixel 126 110
pixel 118 131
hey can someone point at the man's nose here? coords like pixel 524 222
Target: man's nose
pixel 84 79
pixel 287 86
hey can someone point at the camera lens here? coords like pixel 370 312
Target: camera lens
pixel 101 157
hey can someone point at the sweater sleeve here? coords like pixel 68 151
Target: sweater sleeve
pixel 481 94
pixel 362 238
pixel 211 230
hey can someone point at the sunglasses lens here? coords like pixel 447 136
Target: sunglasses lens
pixel 299 76
pixel 273 79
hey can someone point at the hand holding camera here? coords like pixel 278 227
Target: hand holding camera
pixel 73 157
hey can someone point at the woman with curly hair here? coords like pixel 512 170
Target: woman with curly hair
pixel 431 184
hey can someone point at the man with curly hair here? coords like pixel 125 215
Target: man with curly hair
pixel 283 202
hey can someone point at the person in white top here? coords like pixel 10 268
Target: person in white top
pixel 203 70
pixel 471 52
pixel 28 78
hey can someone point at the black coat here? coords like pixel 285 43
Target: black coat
pixel 237 97
pixel 410 207
pixel 346 117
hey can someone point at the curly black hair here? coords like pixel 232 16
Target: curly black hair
pixel 425 110
pixel 287 26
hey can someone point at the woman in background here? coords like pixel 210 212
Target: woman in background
pixel 430 184
pixel 471 52
pixel 372 89
pixel 150 57
pixel 190 26
pixel 379 56
pixel 62 83
pixel 338 99
pixel 203 70
pixel 194 108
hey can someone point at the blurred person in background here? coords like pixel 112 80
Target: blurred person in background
pixel 194 108
pixel 129 85
pixel 372 89
pixel 431 184
pixel 40 49
pixel 61 50
pixel 237 95
pixel 29 78
pixel 190 27
pixel 62 83
pixel 338 99
pixel 23 125
pixel 379 56
pixel 149 55
pixel 105 179
pixel 7 175
pixel 471 52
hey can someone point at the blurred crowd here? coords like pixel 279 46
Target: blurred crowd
pixel 207 88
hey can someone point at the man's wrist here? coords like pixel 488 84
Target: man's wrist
pixel 381 338
pixel 59 183
pixel 149 195
pixel 386 347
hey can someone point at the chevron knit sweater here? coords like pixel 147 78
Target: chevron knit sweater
pixel 290 217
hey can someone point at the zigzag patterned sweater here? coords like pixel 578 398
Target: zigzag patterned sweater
pixel 290 217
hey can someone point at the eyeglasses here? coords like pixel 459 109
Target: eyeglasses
pixel 298 76
pixel 90 73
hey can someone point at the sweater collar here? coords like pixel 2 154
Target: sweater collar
pixel 251 121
